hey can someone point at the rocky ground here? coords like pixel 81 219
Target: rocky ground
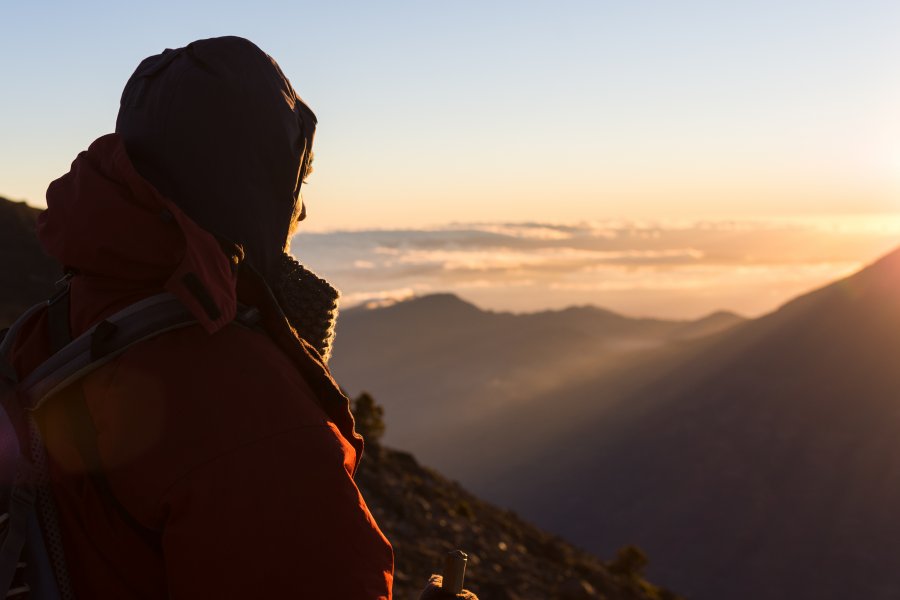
pixel 426 516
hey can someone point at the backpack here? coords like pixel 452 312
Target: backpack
pixel 32 561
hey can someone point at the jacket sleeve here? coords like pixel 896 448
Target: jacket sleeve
pixel 277 517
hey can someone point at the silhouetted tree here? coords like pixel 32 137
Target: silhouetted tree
pixel 630 561
pixel 369 417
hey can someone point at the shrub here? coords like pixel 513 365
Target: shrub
pixel 630 561
pixel 369 417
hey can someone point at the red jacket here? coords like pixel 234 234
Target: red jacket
pixel 234 446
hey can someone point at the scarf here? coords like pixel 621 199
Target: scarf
pixel 309 302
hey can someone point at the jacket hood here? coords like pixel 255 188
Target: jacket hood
pixel 218 129
pixel 108 223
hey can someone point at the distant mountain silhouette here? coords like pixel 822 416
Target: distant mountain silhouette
pixel 26 274
pixel 766 464
pixel 451 375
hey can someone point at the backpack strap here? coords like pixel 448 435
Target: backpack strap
pixel 46 569
pixel 71 360
pixel 29 565
pixel 58 326
pixel 21 502
pixel 8 338
pixel 81 426
pixel 101 343
pixel 84 435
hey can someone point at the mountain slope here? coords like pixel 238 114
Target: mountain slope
pixel 767 464
pixel 451 375
pixel 425 516
pixel 26 275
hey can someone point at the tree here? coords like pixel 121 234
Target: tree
pixel 369 417
pixel 630 561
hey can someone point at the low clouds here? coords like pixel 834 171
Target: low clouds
pixel 662 269
pixel 556 260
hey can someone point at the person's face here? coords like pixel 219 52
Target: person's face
pixel 300 206
pixel 299 215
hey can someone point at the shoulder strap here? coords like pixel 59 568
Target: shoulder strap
pixel 143 320
pixel 58 322
pixel 29 565
pixel 73 359
pixel 81 426
pixel 9 338
pixel 84 435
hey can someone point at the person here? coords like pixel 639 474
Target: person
pixel 226 452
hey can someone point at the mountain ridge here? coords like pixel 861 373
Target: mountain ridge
pixel 449 300
pixel 763 463
pixel 758 461
pixel 439 359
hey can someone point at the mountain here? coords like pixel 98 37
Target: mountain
pixel 757 461
pixel 766 463
pixel 26 274
pixel 452 376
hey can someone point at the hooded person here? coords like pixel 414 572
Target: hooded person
pixel 227 453
pixel 217 128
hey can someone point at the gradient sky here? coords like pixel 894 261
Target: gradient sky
pixel 509 111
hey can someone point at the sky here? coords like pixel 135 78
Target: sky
pixel 496 111
pixel 503 113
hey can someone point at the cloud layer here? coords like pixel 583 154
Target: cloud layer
pixel 680 270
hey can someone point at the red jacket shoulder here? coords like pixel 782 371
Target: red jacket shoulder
pixel 186 397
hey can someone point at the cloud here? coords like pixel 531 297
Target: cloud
pixel 380 298
pixel 750 266
pixel 557 260
pixel 532 231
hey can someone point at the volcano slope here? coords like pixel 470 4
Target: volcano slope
pixel 453 377
pixel 765 465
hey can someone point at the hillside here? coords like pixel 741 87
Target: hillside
pixel 26 275
pixel 765 464
pixel 451 375
pixel 425 516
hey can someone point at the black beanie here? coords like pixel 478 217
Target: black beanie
pixel 218 129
